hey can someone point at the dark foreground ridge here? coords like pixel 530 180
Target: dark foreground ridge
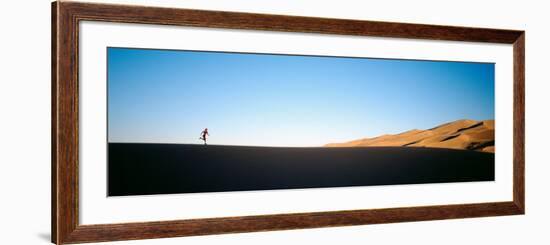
pixel 143 169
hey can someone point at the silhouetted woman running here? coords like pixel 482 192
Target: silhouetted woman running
pixel 204 133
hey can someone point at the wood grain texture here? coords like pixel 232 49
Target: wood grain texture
pixel 54 123
pixel 65 106
pixel 65 103
pixel 519 122
pixel 149 230
pixel 235 20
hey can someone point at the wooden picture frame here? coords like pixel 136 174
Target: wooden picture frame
pixel 65 121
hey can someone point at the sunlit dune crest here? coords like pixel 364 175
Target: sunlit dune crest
pixel 461 134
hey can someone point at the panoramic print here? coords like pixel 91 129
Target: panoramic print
pixel 203 121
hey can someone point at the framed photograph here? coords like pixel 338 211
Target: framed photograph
pixel 175 122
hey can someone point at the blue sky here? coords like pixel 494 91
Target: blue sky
pixel 167 96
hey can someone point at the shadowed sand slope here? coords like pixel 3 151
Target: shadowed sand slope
pixel 461 134
pixel 142 169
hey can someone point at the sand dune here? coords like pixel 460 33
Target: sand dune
pixel 146 169
pixel 462 134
